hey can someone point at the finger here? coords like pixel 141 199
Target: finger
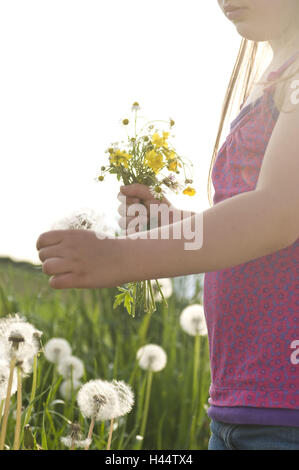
pixel 54 266
pixel 49 252
pixel 64 281
pixel 127 199
pixel 136 190
pixel 52 237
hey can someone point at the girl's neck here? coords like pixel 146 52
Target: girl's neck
pixel 283 48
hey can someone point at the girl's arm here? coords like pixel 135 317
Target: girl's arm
pixel 237 230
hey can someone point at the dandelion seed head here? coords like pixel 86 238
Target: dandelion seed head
pixel 166 287
pixel 4 374
pixel 24 336
pixel 125 397
pixel 139 438
pixel 71 366
pixel 152 357
pixel 81 219
pixel 56 349
pixel 98 399
pixel 192 320
pixel 67 386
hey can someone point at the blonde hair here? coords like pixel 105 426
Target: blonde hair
pixel 250 60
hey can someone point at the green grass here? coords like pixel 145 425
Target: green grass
pixel 107 340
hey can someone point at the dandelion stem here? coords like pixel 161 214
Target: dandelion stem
pixel 32 395
pixel 110 434
pixel 194 407
pixel 1 408
pixel 146 404
pixel 195 367
pixel 7 403
pixel 90 431
pixel 16 445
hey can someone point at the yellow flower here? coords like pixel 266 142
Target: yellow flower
pixel 154 160
pixel 173 165
pixel 189 191
pixel 169 154
pixel 159 141
pixel 120 157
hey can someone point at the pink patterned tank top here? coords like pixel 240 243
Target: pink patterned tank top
pixel 252 310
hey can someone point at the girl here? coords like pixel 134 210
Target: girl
pixel 250 249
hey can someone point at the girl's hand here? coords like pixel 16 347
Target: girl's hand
pixel 80 259
pixel 138 193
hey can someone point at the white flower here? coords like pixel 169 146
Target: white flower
pixel 66 388
pixel 139 438
pixel 135 106
pixel 125 397
pixel 98 399
pixel 20 339
pixel 192 320
pixel 56 349
pixel 71 366
pixel 152 357
pixel 80 219
pixel 157 192
pixel 165 286
pixel 4 374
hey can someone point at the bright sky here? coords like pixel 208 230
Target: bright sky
pixel 70 70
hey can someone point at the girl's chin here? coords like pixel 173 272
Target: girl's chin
pixel 247 33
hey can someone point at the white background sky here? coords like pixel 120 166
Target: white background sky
pixel 70 70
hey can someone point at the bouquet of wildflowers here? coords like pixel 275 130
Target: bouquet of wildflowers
pixel 149 159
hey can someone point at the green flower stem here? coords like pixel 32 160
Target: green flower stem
pixel 194 407
pixel 146 405
pixel 196 360
pixel 32 395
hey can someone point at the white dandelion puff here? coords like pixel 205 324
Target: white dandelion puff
pixel 57 349
pixel 71 366
pixel 152 357
pixel 125 397
pixel 165 286
pixel 67 386
pixel 4 375
pixel 192 320
pixel 81 219
pixel 20 339
pixel 98 400
pixel 139 438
